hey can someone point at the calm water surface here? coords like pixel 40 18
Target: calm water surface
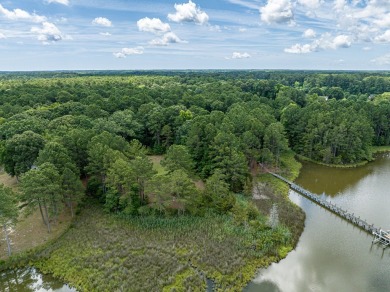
pixel 28 280
pixel 333 255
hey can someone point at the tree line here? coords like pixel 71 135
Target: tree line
pixel 216 125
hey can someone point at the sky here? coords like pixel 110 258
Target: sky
pixel 194 34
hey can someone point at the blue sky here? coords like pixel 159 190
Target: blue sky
pixel 197 34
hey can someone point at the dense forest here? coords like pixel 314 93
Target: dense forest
pixel 61 130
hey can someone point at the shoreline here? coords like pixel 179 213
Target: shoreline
pixel 374 150
pixel 278 186
pixel 291 168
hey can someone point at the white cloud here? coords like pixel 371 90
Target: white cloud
pixel 102 21
pixel 105 33
pixel 312 4
pixel 216 28
pixel 367 49
pixel 2 36
pixel 277 11
pixel 189 12
pixel 242 29
pixel 341 41
pixel 326 41
pixel 63 2
pixel 154 25
pixel 301 49
pixel 238 55
pixel 309 33
pixel 382 60
pixel 129 51
pixel 340 5
pixel 168 38
pixel 47 33
pixel 19 14
pixel 383 38
pixel 383 20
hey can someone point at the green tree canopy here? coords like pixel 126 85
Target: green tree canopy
pixel 21 152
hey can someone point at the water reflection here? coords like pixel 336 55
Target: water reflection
pixel 28 280
pixel 333 181
pixel 333 255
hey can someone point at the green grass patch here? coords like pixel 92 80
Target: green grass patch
pixel 349 165
pixel 103 252
pixel 290 166
pixel 380 149
pixel 156 159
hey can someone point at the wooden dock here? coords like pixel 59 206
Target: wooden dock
pixel 380 236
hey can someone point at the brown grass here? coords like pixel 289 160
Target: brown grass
pixel 30 231
pixel 7 180
pixel 200 185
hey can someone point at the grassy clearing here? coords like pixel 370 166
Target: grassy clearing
pixel 102 252
pixel 29 232
pixel 156 159
pixel 7 180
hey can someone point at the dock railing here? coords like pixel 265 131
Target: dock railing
pixel 380 236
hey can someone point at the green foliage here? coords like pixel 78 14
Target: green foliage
pixel 42 187
pixel 21 151
pixel 178 158
pixel 275 140
pixel 217 195
pixel 8 206
pixel 334 132
pixel 56 154
pixel 102 252
pixel 73 190
pixel 173 193
pixel 217 125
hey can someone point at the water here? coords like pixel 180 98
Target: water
pixel 28 280
pixel 333 255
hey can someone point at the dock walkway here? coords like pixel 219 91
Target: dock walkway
pixel 381 236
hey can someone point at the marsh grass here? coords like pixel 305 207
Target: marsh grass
pixel 103 252
pixel 276 192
